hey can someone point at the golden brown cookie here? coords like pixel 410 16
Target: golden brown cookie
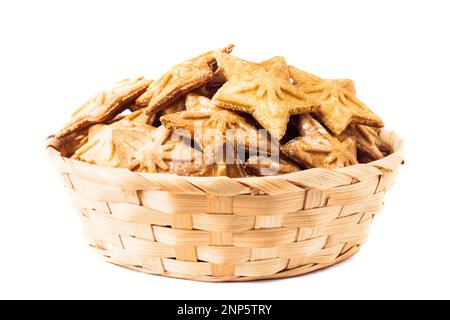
pixel 277 66
pixel 69 144
pixel 138 117
pixel 180 79
pixel 162 150
pixel 367 141
pixel 316 148
pixel 167 152
pixel 207 128
pixel 217 126
pixel 196 102
pixel 302 78
pixel 252 89
pixel 217 80
pixel 338 106
pixel 106 105
pixel 266 166
pixel 113 146
pixel 347 84
pixel 212 128
pixel 173 107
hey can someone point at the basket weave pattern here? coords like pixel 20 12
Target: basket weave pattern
pixel 222 229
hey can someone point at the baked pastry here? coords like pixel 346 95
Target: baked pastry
pixel 115 144
pixel 368 141
pixel 316 148
pixel 105 106
pixel 180 79
pixel 219 115
pixel 252 89
pixel 338 106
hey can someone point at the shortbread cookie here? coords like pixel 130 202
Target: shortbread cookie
pixel 277 66
pixel 106 105
pixel 367 141
pixel 180 79
pixel 214 123
pixel 73 142
pixel 254 90
pixel 316 148
pixel 167 152
pixel 338 106
pixel 196 102
pixel 208 128
pixel 162 151
pixel 113 146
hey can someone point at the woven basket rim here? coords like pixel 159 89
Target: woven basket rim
pixel 392 138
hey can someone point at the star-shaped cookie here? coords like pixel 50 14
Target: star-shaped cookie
pixel 252 89
pixel 368 141
pixel 106 105
pixel 317 148
pixel 196 102
pixel 207 128
pixel 217 126
pixel 115 144
pixel 277 66
pixel 172 107
pixel 305 78
pixel 180 79
pixel 338 106
pixel 166 152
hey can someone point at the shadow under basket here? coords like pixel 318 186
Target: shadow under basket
pixel 223 229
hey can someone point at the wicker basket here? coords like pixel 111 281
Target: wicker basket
pixel 223 229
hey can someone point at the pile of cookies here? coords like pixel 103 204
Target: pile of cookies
pixel 218 115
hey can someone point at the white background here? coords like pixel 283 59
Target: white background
pixel 55 54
